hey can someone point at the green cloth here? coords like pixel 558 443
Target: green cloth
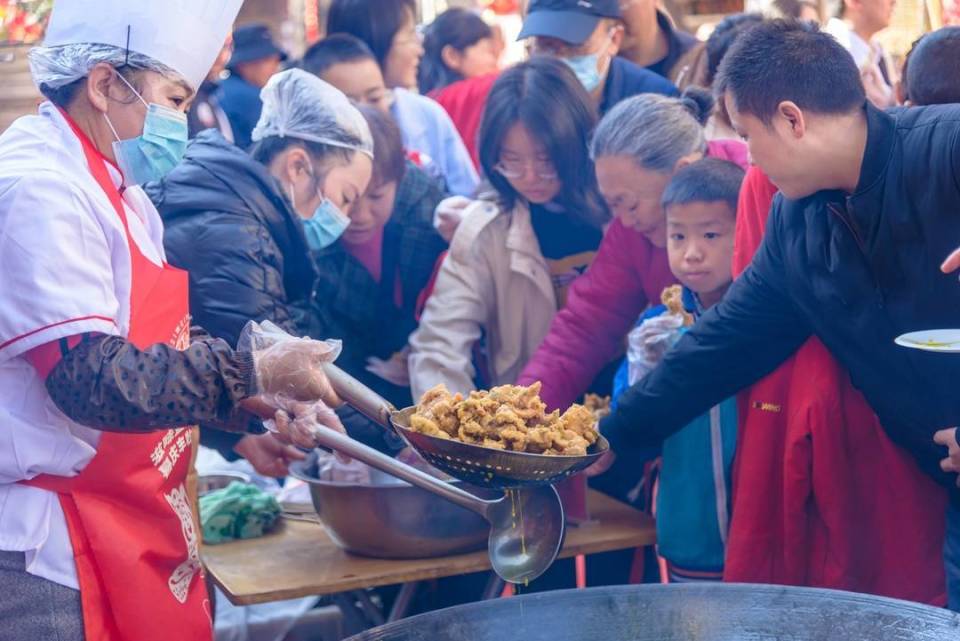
pixel 238 511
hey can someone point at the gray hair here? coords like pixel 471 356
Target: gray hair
pixel 654 130
pixel 55 67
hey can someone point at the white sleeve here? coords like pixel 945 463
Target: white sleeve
pixel 56 268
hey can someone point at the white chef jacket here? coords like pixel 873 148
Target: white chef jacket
pixel 64 270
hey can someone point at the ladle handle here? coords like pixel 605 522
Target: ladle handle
pixel 354 449
pixel 359 396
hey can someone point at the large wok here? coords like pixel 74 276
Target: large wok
pixel 691 612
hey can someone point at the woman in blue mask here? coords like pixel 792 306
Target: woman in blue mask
pixel 244 223
pixel 99 366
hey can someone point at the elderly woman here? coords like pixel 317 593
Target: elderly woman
pixel 637 148
pixel 98 367
pixel 243 224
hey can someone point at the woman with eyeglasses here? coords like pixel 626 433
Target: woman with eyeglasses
pixel 523 242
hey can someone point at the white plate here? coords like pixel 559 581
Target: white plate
pixel 934 340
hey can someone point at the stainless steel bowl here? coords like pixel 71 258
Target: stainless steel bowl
pixel 390 519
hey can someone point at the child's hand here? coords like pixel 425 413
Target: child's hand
pixel 952 263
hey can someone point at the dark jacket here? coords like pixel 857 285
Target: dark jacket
pixel 678 44
pixel 856 272
pixel 350 305
pixel 206 112
pixel 241 102
pixel 626 79
pixel 228 223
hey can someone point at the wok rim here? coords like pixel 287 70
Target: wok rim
pixel 908 609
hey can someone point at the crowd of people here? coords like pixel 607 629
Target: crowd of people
pixel 455 222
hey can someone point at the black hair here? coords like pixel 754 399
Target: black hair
pixel 724 35
pixel 932 70
pixel 389 159
pixel 457 28
pixel 545 96
pixel 782 60
pixel 64 95
pixel 705 181
pixel 265 150
pixel 375 22
pixel 333 50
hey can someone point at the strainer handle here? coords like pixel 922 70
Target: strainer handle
pixel 354 449
pixel 359 396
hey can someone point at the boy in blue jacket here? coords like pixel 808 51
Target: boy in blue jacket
pixel 692 504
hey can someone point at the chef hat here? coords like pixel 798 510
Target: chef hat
pixel 183 36
pixel 298 104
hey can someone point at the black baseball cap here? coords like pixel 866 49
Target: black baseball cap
pixel 569 20
pixel 253 42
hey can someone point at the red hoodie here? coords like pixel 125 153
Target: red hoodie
pixel 464 100
pixel 821 496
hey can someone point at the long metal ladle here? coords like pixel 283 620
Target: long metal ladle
pixel 526 525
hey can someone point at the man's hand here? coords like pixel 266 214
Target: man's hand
pixel 267 455
pixel 952 263
pixel 948 438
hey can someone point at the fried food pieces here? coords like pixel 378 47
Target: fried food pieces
pixel 506 418
pixel 672 297
pixel 599 405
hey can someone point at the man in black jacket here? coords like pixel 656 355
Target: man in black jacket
pixel 869 207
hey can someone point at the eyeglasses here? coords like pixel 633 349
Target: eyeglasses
pixel 516 169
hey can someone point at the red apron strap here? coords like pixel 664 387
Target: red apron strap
pixel 98 169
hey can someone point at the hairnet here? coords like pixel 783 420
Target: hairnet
pixel 61 65
pixel 300 105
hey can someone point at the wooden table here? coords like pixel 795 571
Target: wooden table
pixel 299 559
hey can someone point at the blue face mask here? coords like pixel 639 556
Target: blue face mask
pixel 151 155
pixel 326 226
pixel 585 67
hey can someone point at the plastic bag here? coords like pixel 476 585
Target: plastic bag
pixel 332 468
pixel 647 344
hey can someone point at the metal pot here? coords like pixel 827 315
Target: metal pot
pixel 391 519
pixel 680 612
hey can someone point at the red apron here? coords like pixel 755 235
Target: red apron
pixel 129 511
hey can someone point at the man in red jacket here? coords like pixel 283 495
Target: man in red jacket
pixel 806 512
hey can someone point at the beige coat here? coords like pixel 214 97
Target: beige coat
pixel 495 283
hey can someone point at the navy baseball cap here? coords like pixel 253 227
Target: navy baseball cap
pixel 569 20
pixel 253 42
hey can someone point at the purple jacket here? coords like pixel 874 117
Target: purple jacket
pixel 627 275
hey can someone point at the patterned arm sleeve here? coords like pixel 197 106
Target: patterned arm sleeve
pixel 105 382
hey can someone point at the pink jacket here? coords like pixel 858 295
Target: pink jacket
pixel 627 275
